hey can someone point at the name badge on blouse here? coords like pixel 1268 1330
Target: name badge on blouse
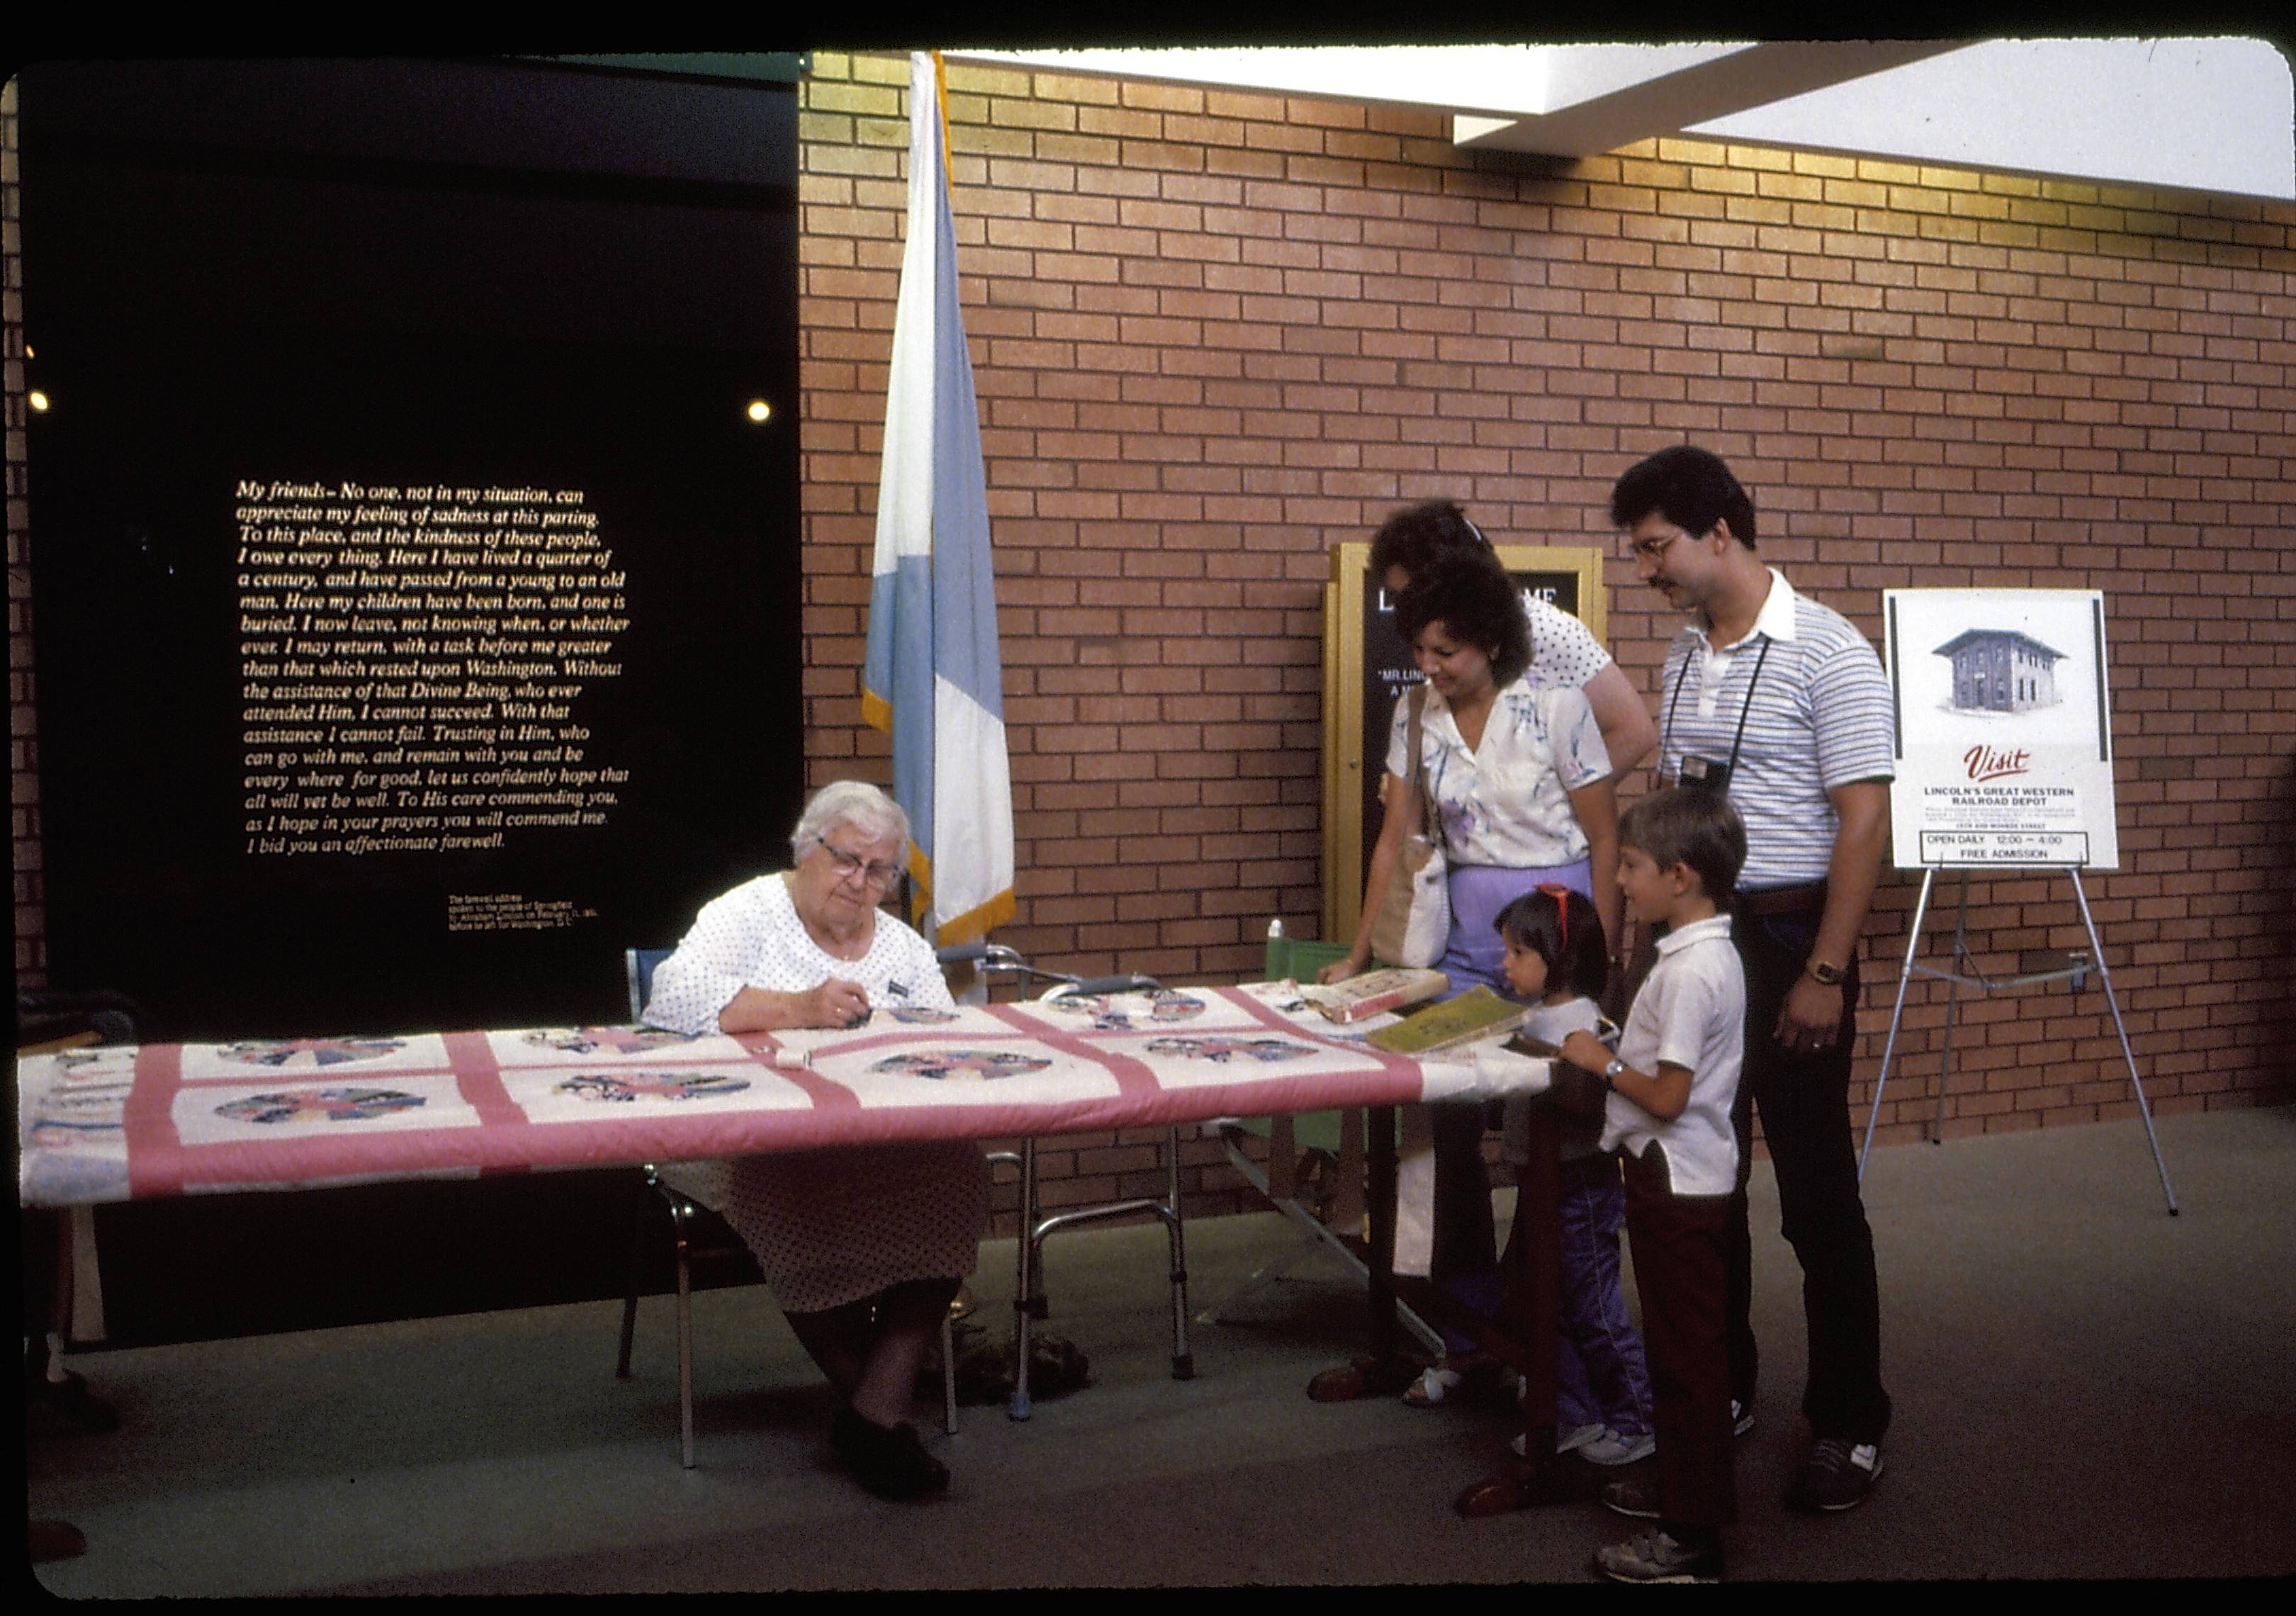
pixel 1705 775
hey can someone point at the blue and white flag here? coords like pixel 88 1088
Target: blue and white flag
pixel 933 677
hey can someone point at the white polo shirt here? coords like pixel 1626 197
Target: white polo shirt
pixel 1691 1012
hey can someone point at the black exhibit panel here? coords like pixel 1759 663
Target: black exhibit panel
pixel 415 595
pixel 414 582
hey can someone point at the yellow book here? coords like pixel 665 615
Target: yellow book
pixel 1476 1013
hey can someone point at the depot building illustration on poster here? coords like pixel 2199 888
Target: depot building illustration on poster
pixel 2005 733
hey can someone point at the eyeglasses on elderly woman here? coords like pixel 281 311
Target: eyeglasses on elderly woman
pixel 848 866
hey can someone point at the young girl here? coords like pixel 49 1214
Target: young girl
pixel 1556 957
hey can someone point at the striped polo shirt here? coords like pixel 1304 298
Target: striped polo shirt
pixel 1819 718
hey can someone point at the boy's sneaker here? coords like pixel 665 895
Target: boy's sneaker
pixel 1742 1418
pixel 1839 1475
pixel 1654 1556
pixel 1613 1449
pixel 1636 1495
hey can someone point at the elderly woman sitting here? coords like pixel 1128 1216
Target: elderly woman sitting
pixel 865 1246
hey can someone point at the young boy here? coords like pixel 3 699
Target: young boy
pixel 1671 1085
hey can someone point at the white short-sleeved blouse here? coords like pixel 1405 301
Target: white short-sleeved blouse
pixel 752 937
pixel 1506 803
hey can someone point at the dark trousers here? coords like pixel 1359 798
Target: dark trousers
pixel 1465 1242
pixel 1805 1105
pixel 1681 1273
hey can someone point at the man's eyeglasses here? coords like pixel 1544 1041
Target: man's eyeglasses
pixel 1654 549
pixel 848 867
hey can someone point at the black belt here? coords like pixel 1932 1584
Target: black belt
pixel 1807 898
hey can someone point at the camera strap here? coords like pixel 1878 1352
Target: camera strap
pixel 1738 738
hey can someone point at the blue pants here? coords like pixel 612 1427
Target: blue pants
pixel 1600 1375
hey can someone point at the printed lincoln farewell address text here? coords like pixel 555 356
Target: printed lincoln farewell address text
pixel 411 659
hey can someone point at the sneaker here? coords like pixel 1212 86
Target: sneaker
pixel 1656 1556
pixel 1838 1475
pixel 1742 1418
pixel 1636 1495
pixel 1567 1439
pixel 1613 1449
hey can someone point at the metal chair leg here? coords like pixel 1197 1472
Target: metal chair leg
pixel 1183 1362
pixel 949 1374
pixel 638 1249
pixel 684 1347
pixel 1027 1304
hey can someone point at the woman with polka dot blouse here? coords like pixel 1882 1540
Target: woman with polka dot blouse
pixel 865 1246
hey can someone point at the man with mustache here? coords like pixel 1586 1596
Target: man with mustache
pixel 1780 703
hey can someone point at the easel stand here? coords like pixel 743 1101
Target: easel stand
pixel 1984 984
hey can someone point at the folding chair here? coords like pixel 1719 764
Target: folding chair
pixel 1335 1137
pixel 1029 1303
pixel 717 1241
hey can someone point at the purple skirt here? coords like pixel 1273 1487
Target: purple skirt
pixel 1476 953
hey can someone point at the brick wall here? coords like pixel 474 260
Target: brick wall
pixel 1215 334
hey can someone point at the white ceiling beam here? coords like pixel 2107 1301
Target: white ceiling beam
pixel 1620 106
pixel 1506 80
pixel 2213 115
pixel 2210 115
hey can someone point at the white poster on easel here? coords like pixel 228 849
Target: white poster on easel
pixel 2004 732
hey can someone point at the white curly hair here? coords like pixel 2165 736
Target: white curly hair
pixel 843 802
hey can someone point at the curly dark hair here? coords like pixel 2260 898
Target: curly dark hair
pixel 1692 488
pixel 1470 593
pixel 1414 536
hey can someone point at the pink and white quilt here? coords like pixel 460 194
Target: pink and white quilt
pixel 129 1123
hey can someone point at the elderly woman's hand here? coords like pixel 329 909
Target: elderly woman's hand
pixel 1339 970
pixel 836 1003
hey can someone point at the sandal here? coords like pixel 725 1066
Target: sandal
pixel 1459 1380
pixel 1435 1386
pixel 1361 1378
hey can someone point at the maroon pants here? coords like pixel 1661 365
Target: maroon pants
pixel 1681 1272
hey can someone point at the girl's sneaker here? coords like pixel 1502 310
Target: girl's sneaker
pixel 1566 1438
pixel 1613 1449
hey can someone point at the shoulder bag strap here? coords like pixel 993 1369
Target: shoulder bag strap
pixel 1430 822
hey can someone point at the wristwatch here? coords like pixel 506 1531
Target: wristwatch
pixel 1611 1072
pixel 1828 976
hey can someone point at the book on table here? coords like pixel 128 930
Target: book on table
pixel 1368 993
pixel 1477 1014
